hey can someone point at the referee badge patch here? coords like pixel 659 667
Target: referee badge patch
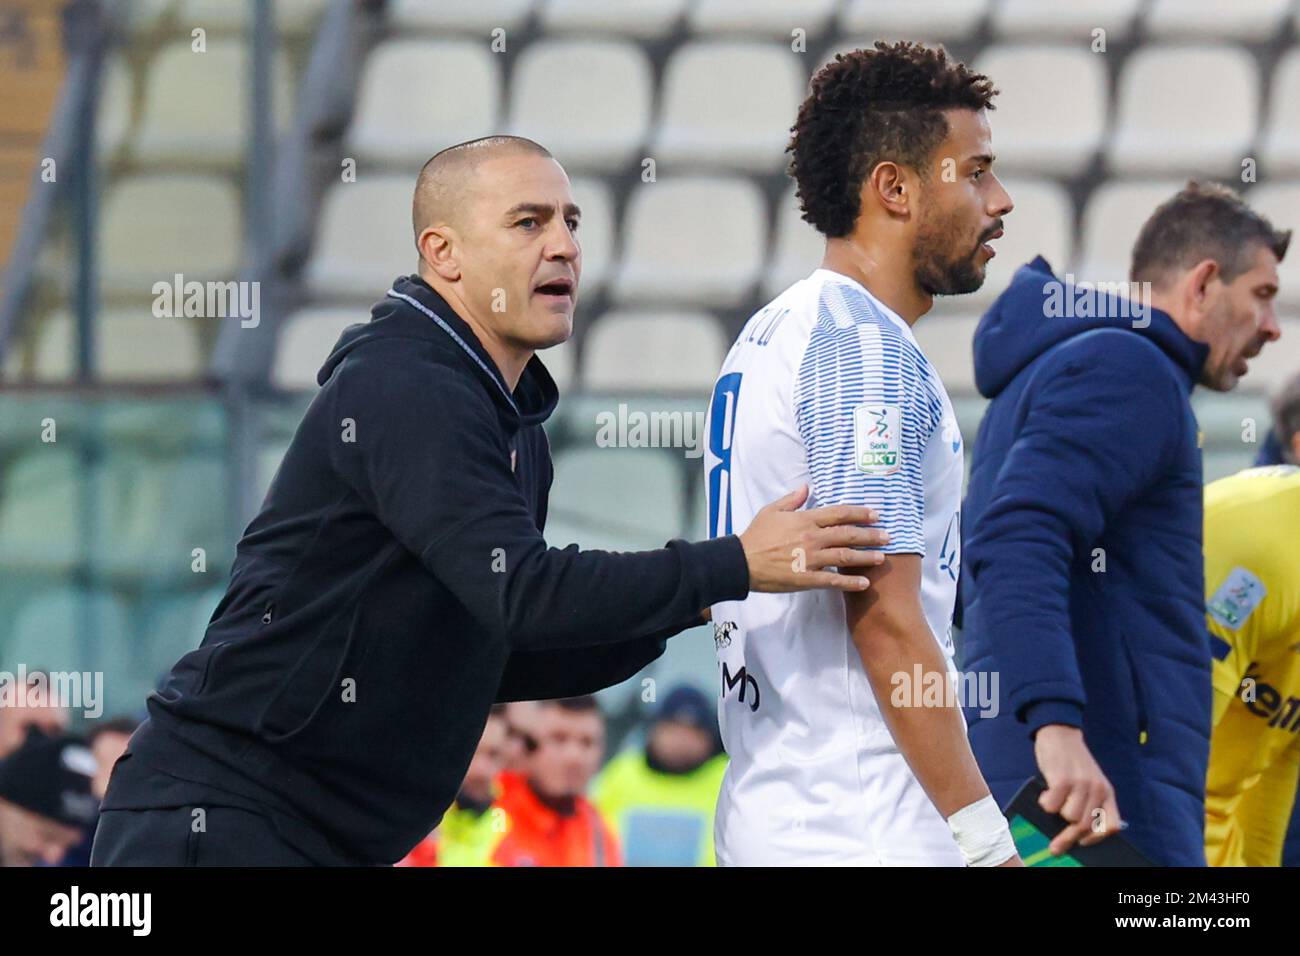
pixel 1237 597
pixel 876 445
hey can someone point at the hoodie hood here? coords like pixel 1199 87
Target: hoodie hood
pixel 412 309
pixel 1039 310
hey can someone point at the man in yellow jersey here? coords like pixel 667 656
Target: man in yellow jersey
pixel 1252 578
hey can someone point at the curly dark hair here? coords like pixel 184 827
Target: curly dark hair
pixel 869 106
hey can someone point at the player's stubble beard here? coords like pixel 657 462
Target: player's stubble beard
pixel 939 268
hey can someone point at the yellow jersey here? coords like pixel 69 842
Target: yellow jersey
pixel 1252 580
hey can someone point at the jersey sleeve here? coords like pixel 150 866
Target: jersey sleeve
pixel 1235 619
pixel 865 408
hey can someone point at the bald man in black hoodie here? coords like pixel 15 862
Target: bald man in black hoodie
pixel 396 582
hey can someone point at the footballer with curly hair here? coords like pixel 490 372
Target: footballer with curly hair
pixel 840 714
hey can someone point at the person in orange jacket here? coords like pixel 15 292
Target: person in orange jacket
pixel 549 820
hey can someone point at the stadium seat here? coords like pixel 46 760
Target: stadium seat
pixel 775 18
pixel 1041 81
pixel 623 499
pixel 558 360
pixel 1280 138
pixel 153 227
pixel 947 341
pixel 1251 22
pixel 195 108
pixel 1033 19
pixel 292 17
pixel 924 20
pixel 1280 202
pixel 39 509
pixel 797 248
pixel 131 346
pixel 1167 93
pixel 363 239
pixel 753 94
pixel 116 106
pixel 479 17
pixel 647 19
pixel 404 113
pixel 306 340
pixel 595 233
pixel 68 629
pixel 1110 224
pixel 173 625
pixel 647 351
pixel 1042 223
pixel 587 101
pixel 695 240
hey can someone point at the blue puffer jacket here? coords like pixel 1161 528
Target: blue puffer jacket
pixel 1083 577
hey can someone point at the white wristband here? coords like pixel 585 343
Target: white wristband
pixel 982 833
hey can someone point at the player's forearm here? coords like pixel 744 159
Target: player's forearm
pixel 931 738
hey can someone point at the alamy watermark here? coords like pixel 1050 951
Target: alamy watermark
pixel 1109 300
pixel 212 300
pixel 921 688
pixel 63 690
pixel 632 428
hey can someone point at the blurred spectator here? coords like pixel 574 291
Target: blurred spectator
pixel 549 821
pixel 46 804
pixel 1282 446
pixel 521 733
pixel 33 709
pixel 108 742
pixel 468 832
pixel 661 799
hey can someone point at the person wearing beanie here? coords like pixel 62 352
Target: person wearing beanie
pixel 46 803
pixel 661 798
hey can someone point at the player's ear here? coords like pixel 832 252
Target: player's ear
pixel 889 185
pixel 438 249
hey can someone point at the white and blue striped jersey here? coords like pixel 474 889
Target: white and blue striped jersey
pixel 826 386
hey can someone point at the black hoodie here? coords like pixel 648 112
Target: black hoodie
pixel 394 586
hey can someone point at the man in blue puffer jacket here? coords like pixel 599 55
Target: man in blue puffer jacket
pixel 1083 580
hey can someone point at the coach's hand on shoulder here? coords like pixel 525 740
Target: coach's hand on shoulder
pixel 789 550
pixel 1077 789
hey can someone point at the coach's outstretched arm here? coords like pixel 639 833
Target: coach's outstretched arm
pixel 1074 467
pixel 429 459
pixel 892 636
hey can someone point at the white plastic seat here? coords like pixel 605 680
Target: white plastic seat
pixel 196 110
pixel 364 239
pixel 729 103
pixel 595 233
pixel 478 17
pixel 558 360
pixel 1050 112
pixel 1110 224
pixel 305 342
pixel 1035 19
pixel 1190 109
pixel 1247 20
pixel 653 351
pixel 797 247
pixel 587 101
pixel 947 341
pixel 1042 223
pixel 131 346
pixel 1280 202
pixel 116 108
pixel 615 498
pixel 775 18
pixel 645 18
pixel 924 20
pixel 1280 138
pixel 419 96
pixel 292 17
pixel 697 240
pixel 155 226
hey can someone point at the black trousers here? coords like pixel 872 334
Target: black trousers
pixel 191 836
